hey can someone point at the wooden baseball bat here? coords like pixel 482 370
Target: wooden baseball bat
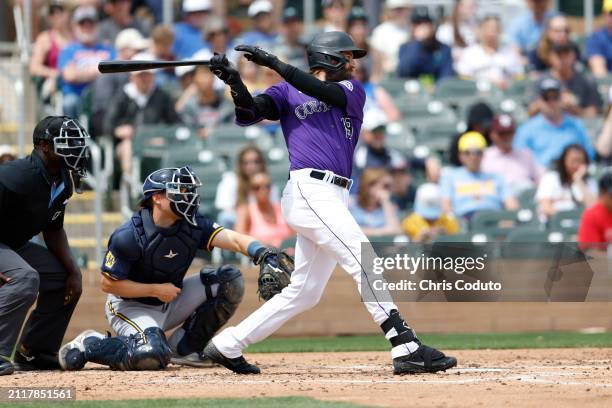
pixel 111 67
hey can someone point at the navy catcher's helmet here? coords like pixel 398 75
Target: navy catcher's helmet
pixel 181 187
pixel 325 50
pixel 69 140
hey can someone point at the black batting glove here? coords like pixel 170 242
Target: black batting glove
pixel 258 56
pixel 223 69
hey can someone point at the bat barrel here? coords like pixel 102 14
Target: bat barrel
pixel 110 67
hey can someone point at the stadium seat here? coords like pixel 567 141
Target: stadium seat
pixel 467 237
pixel 496 223
pixel 566 221
pixel 437 135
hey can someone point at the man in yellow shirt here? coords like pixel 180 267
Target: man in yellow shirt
pixel 427 221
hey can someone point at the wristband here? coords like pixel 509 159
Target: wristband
pixel 253 248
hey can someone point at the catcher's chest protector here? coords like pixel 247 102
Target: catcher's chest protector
pixel 166 253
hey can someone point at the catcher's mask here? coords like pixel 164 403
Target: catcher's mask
pixel 181 187
pixel 69 141
pixel 325 50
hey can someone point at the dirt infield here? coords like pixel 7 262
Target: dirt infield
pixel 526 378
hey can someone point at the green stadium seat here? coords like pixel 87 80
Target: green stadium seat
pixel 466 237
pixel 566 221
pixel 455 89
pixel 496 224
pixel 437 135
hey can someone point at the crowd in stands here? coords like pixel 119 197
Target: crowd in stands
pixel 488 165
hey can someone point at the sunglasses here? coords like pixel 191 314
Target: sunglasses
pixel 56 9
pixel 506 133
pixel 473 152
pixel 256 161
pixel 257 187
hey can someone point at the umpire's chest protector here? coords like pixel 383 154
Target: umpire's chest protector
pixel 166 253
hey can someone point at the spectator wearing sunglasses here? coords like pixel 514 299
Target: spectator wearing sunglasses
pixel 579 93
pixel 550 131
pixel 517 167
pixel 467 189
pixel 374 210
pixel 261 216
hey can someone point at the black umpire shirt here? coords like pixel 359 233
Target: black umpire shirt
pixel 31 199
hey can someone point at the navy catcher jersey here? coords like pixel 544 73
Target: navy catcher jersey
pixel 143 252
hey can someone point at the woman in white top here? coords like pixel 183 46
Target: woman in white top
pixel 569 186
pixel 489 60
pixel 460 31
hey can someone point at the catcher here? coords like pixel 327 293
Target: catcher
pixel 144 274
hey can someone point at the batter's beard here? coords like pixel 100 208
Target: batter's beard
pixel 338 75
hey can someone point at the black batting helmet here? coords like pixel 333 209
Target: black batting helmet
pixel 325 50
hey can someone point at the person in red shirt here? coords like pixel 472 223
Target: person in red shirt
pixel 596 225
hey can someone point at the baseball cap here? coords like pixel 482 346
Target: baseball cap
pixel 503 123
pixel 6 150
pixel 549 84
pixel 258 7
pixel 374 119
pixel 192 6
pixel 329 3
pixel 291 14
pixel 143 56
pixel 428 201
pixel 130 38
pixel 357 14
pixel 213 24
pixel 472 141
pixel 394 4
pixel 420 15
pixel 83 13
pixel 607 6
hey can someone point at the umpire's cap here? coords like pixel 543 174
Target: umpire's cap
pixel 325 50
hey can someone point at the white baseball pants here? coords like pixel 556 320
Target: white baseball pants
pixel 327 234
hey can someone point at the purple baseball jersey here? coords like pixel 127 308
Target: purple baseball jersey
pixel 318 135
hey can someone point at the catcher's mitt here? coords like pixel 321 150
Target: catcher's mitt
pixel 275 270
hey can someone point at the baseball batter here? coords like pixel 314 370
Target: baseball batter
pixel 321 115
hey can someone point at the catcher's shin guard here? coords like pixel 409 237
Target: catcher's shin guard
pixel 211 315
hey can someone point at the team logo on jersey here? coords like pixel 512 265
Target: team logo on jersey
pixel 109 260
pixel 348 84
pixel 310 107
pixel 171 255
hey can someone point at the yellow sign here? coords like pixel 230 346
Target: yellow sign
pixel 109 260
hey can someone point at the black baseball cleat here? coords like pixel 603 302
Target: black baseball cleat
pixel 72 355
pixel 195 359
pixel 424 360
pixel 24 361
pixel 7 368
pixel 238 365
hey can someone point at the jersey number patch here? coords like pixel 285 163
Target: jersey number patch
pixel 348 128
